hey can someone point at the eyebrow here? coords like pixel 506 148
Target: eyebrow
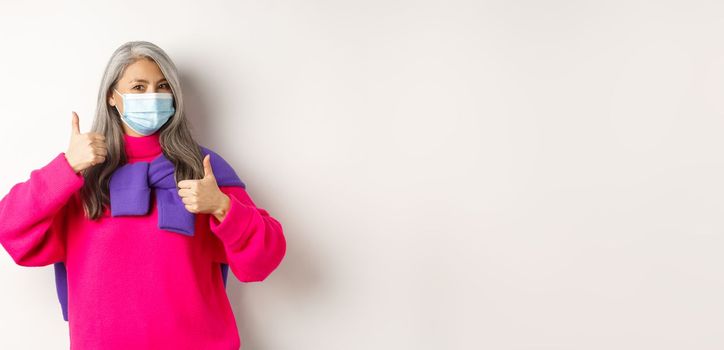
pixel 145 81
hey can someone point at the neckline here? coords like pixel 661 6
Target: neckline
pixel 138 147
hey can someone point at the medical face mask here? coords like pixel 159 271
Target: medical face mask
pixel 146 113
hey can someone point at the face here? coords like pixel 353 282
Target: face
pixel 142 76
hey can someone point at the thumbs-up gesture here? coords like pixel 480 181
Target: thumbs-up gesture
pixel 85 149
pixel 204 196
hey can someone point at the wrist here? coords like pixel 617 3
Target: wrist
pixel 223 207
pixel 73 166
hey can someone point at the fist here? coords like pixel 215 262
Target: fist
pixel 203 196
pixel 85 150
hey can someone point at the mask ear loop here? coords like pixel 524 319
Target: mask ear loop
pixel 119 111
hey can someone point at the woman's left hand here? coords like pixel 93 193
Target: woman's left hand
pixel 204 196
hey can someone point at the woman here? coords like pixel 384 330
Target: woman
pixel 140 221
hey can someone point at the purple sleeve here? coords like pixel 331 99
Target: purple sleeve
pixel 33 213
pixel 253 241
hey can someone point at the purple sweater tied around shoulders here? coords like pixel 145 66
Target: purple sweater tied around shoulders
pixel 131 184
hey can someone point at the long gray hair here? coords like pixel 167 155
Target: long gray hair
pixel 175 137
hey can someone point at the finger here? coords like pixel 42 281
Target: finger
pixel 96 136
pixel 191 208
pixel 100 151
pixel 75 124
pixel 185 192
pixel 186 183
pixel 207 166
pixel 188 200
pixel 98 144
pixel 96 141
pixel 98 160
pixel 92 138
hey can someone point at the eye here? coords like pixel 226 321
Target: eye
pixel 141 86
pixel 164 86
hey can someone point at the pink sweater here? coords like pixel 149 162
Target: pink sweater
pixel 132 285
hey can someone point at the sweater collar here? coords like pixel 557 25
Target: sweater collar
pixel 142 146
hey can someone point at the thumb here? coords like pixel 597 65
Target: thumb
pixel 76 124
pixel 207 166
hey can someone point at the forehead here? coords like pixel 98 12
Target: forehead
pixel 145 70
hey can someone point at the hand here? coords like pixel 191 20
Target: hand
pixel 204 196
pixel 85 150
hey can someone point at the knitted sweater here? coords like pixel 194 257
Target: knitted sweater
pixel 132 285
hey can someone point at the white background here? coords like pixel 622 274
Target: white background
pixel 449 174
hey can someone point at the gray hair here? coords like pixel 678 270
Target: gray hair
pixel 175 136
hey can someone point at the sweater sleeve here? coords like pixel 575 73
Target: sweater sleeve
pixel 253 243
pixel 33 214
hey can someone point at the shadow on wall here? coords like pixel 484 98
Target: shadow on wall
pixel 298 274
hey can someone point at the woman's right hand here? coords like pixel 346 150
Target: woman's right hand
pixel 85 150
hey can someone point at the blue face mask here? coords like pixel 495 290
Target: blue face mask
pixel 148 112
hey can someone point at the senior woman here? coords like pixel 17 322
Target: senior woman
pixel 140 222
